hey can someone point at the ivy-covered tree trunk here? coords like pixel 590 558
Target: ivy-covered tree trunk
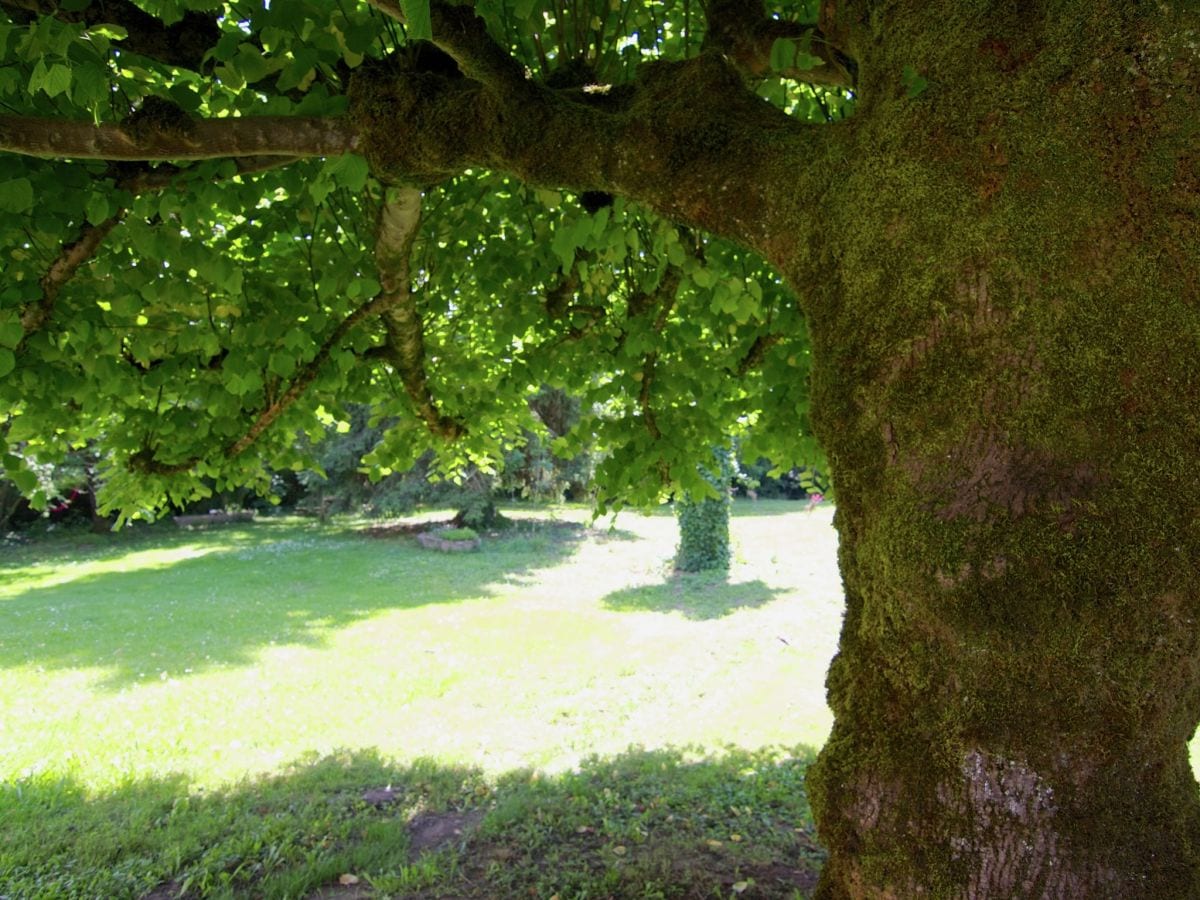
pixel 1008 385
pixel 704 521
pixel 703 534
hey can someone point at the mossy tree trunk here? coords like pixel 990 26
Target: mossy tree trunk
pixel 704 520
pixel 703 534
pixel 1008 339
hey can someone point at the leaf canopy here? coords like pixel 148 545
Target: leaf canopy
pixel 191 318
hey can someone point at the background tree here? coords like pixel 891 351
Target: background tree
pixel 704 519
pixel 220 221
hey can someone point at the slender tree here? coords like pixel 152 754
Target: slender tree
pixel 212 228
pixel 704 520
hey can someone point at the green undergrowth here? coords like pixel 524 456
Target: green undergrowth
pixel 458 534
pixel 665 823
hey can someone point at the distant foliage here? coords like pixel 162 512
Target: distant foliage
pixel 533 470
pixel 704 522
pixel 755 479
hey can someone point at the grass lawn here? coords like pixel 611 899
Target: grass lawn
pixel 288 710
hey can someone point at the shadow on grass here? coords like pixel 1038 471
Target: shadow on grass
pixel 698 596
pixel 185 602
pixel 661 823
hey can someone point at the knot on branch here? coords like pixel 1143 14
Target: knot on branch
pixel 430 110
pixel 158 117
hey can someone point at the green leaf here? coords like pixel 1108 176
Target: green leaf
pixel 250 63
pixel 416 13
pixel 57 80
pixel 281 364
pixel 320 188
pixel 11 331
pixel 349 170
pixel 97 208
pixel 25 480
pixel 16 195
pixel 112 32
pixel 783 54
pixel 8 361
pixel 563 247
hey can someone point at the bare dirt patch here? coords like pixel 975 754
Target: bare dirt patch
pixel 428 832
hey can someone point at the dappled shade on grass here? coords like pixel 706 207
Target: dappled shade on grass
pixel 702 596
pixel 302 638
pixel 681 822
pixel 229 594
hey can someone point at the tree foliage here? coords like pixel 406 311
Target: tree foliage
pixel 204 269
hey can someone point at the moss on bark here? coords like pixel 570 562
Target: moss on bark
pixel 1007 388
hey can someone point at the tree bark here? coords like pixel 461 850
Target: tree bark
pixel 1008 384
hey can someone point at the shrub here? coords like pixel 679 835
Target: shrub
pixel 458 534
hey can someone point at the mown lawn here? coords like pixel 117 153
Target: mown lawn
pixel 273 709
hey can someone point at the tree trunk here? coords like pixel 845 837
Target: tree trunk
pixel 1008 384
pixel 704 521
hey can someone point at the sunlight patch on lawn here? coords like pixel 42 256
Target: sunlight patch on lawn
pixel 43 575
pixel 510 657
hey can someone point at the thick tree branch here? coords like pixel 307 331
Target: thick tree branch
pixel 198 139
pixel 464 37
pixel 695 163
pixel 182 44
pixel 745 34
pixel 399 222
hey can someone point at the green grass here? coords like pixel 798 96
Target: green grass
pixel 203 711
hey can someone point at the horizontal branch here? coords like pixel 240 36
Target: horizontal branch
pixel 200 139
pixel 699 164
